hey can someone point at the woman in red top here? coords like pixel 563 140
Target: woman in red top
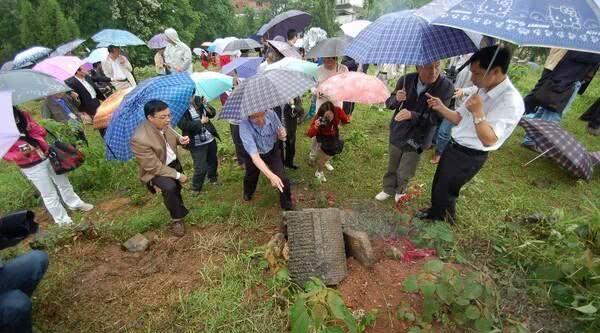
pixel 325 127
pixel 30 154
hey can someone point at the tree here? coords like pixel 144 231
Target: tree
pixel 9 30
pixel 52 28
pixel 218 21
pixel 375 8
pixel 27 24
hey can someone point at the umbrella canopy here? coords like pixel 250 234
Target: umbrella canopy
pixel 312 37
pixel 158 41
pixel 244 67
pixel 211 84
pixel 7 66
pixel 28 85
pixel 97 55
pixel 9 134
pixel 404 38
pixel 221 43
pixel 286 49
pixel 241 44
pixel 60 67
pixel 206 44
pixel 30 56
pixel 352 29
pixel 198 51
pixel 573 25
pixel 330 47
pixel 280 24
pixel 354 87
pixel 265 91
pixel 67 47
pixel 293 64
pixel 108 107
pixel 175 89
pixel 116 37
pixel 561 146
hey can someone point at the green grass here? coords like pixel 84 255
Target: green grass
pixel 218 304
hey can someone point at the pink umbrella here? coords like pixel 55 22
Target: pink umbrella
pixel 61 68
pixel 354 87
pixel 9 134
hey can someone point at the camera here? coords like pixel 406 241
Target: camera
pixel 323 121
pixel 451 74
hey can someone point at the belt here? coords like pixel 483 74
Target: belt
pixel 466 150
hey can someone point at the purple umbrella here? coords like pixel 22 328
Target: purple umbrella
pixel 560 146
pixel 286 49
pixel 245 67
pixel 61 68
pixel 159 41
pixel 280 24
pixel 9 134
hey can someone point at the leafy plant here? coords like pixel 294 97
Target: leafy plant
pixel 321 309
pixel 463 300
pixel 438 236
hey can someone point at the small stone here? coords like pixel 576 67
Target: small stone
pixel 276 244
pixel 39 241
pixel 393 252
pixel 535 218
pixel 358 246
pixel 137 243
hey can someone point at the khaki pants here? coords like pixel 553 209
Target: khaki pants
pixel 402 165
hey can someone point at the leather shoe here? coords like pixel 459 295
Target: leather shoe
pixel 292 166
pixel 424 215
pixel 177 228
pixel 247 196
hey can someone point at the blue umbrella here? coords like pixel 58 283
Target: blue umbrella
pixel 67 47
pixel 280 24
pixel 116 37
pixel 30 56
pixel 244 67
pixel 404 38
pixel 573 25
pixel 176 90
pixel 265 91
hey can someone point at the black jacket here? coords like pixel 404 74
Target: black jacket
pixel 88 105
pixel 554 89
pixel 191 127
pixel 421 127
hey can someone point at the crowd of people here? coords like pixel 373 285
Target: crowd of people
pixel 465 115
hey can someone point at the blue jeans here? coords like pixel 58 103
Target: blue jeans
pixel 443 136
pixel 545 114
pixel 18 279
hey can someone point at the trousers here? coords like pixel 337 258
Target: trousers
pixel 402 165
pixel 205 162
pixel 237 142
pixel 273 160
pixel 171 193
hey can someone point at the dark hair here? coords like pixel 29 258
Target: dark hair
pixel 291 34
pixel 154 106
pixel 111 48
pixel 22 127
pixel 326 106
pixel 485 55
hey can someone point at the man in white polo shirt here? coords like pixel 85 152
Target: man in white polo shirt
pixel 483 124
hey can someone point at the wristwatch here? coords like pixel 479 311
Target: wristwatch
pixel 478 120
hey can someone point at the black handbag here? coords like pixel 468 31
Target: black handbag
pixel 331 145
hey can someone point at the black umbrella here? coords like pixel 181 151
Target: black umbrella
pixel 280 24
pixel 330 47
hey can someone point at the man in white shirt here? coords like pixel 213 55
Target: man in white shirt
pixel 483 124
pixel 118 69
pixel 154 145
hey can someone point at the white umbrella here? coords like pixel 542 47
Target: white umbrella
pixel 353 28
pixel 9 134
pixel 30 56
pixel 97 55
pixel 221 43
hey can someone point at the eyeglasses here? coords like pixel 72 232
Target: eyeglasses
pixel 168 116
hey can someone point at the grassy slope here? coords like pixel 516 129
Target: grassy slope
pixel 503 187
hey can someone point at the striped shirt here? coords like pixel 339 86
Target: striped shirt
pixel 260 139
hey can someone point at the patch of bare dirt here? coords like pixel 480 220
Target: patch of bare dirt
pixel 380 288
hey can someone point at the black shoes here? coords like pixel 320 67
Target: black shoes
pixel 426 215
pixel 247 196
pixel 292 166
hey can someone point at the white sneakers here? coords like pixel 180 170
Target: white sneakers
pixel 382 196
pixel 328 166
pixel 320 176
pixel 84 207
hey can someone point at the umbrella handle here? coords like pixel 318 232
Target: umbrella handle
pixel 540 155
